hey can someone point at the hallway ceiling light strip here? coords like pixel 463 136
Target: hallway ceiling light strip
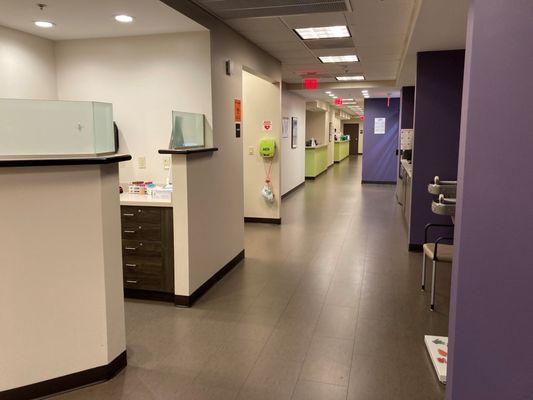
pixel 339 59
pixel 351 78
pixel 323 32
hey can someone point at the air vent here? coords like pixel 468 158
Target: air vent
pixel 329 43
pixel 231 9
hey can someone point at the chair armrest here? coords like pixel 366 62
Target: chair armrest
pixel 426 229
pixel 439 240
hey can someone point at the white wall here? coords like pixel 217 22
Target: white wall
pixel 293 160
pixel 145 77
pixel 316 126
pixel 261 101
pixel 61 267
pixel 27 66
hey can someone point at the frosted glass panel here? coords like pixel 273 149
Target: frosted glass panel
pixel 188 130
pixel 51 128
pixel 104 134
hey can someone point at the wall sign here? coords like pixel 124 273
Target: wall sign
pixel 267 126
pixel 237 110
pixel 285 122
pixel 379 126
pixel 294 133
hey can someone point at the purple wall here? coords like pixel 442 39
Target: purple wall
pixel 439 85
pixel 380 162
pixel 407 107
pixel 491 315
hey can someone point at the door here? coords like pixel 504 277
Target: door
pixel 353 131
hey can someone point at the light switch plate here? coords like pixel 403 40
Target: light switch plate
pixel 141 162
pixel 166 163
pixel 251 150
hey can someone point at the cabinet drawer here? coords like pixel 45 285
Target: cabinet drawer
pixel 141 248
pixel 143 281
pixel 140 214
pixel 149 265
pixel 141 231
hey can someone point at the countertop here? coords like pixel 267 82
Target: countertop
pixel 408 167
pixel 318 146
pixel 143 200
pixel 41 161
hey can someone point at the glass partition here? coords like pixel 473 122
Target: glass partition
pixel 55 128
pixel 188 130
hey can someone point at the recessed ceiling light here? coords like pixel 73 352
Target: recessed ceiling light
pixel 44 24
pixel 125 19
pixel 335 97
pixel 323 32
pixel 351 78
pixel 331 95
pixel 339 59
pixel 328 92
pixel 348 99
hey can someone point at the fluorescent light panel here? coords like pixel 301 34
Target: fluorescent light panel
pixel 323 32
pixel 44 24
pixel 351 78
pixel 125 19
pixel 339 59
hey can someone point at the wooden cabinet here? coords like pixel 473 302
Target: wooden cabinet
pixel 147 251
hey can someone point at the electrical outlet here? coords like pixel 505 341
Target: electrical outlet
pixel 141 162
pixel 166 163
pixel 251 150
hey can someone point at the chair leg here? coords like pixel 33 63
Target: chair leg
pixel 433 281
pixel 424 271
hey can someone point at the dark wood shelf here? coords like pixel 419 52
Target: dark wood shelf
pixel 62 160
pixel 189 151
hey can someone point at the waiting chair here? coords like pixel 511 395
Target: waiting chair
pixel 437 252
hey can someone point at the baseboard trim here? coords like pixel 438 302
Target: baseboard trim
pixel 140 294
pixel 67 382
pixel 188 301
pixel 378 182
pixel 294 189
pixel 259 220
pixel 417 248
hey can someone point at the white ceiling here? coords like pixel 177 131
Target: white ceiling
pixel 440 25
pixel 80 19
pixel 354 93
pixel 379 31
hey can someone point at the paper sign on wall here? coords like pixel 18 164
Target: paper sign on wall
pixel 285 123
pixel 379 126
pixel 267 126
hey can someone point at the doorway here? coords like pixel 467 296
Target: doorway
pixel 353 131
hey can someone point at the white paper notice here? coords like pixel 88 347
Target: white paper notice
pixel 379 126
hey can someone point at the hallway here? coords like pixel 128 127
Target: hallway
pixel 326 306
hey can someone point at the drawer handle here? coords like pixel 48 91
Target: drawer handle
pixel 131 281
pixel 129 231
pixel 131 265
pixel 131 248
pixel 128 215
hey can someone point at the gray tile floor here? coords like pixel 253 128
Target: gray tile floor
pixel 325 307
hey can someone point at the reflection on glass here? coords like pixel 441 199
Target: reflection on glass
pixel 188 130
pixel 55 128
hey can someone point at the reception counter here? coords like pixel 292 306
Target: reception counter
pixel 61 287
pixel 341 150
pixel 316 160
